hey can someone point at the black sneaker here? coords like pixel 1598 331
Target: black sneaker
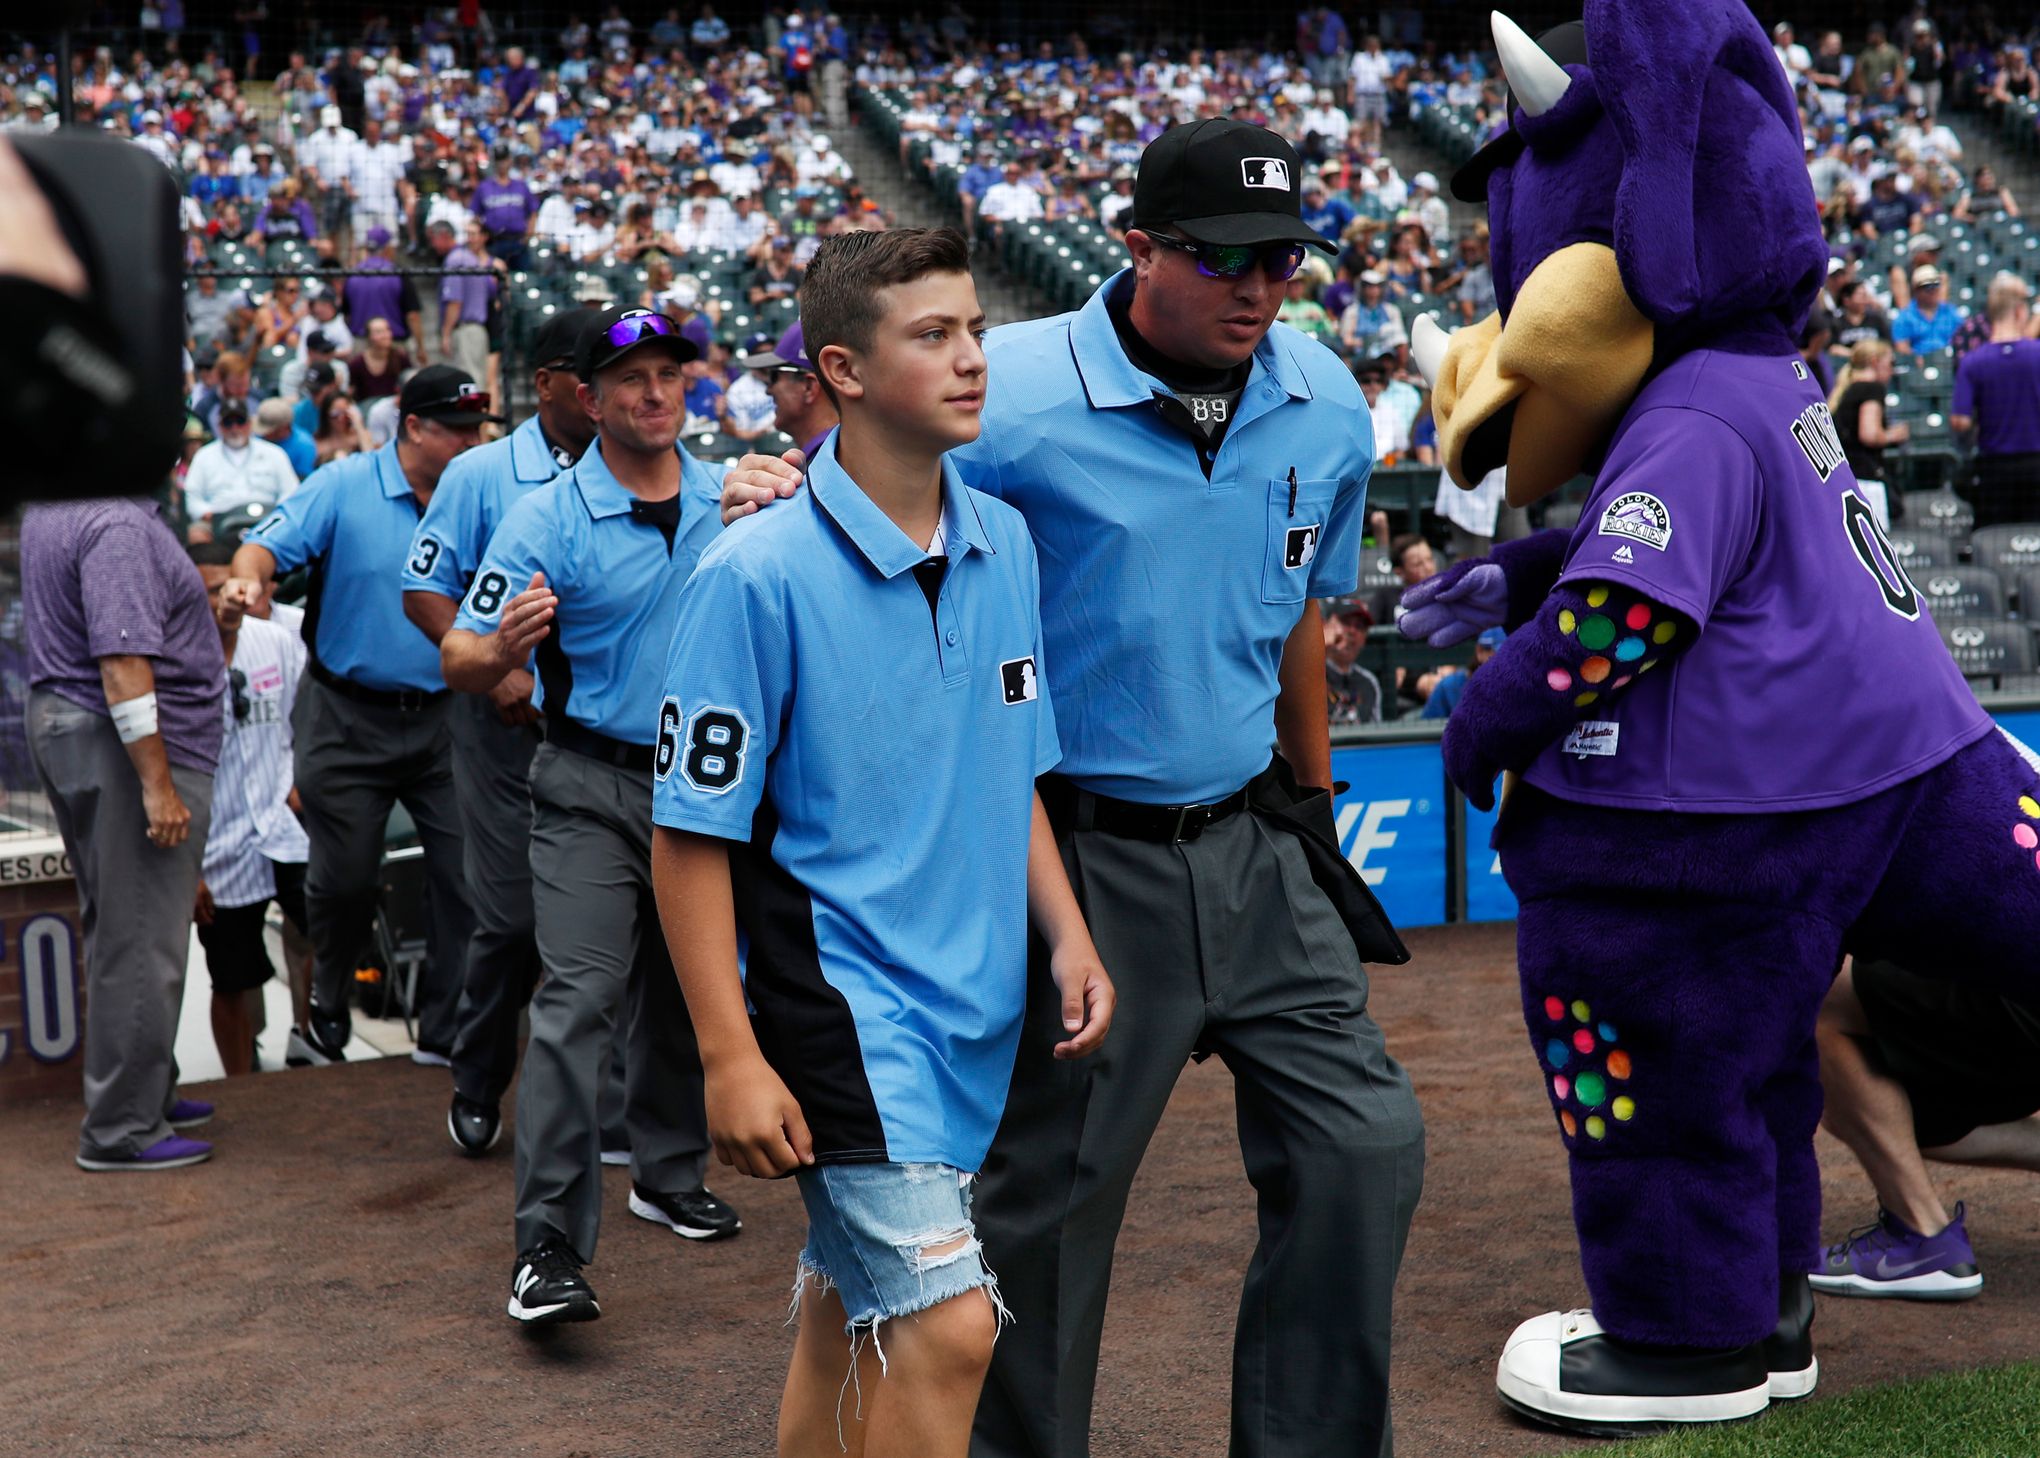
pixel 328 1035
pixel 697 1214
pixel 1788 1351
pixel 547 1287
pixel 475 1126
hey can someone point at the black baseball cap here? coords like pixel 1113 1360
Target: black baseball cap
pixel 233 412
pixel 1565 44
pixel 558 342
pixel 1223 181
pixel 599 347
pixel 447 395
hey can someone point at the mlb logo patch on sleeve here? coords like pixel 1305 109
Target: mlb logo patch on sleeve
pixel 1639 516
pixel 1016 677
pixel 1301 545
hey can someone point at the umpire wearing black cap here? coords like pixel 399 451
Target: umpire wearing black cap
pixel 371 724
pixel 1195 476
pixel 495 734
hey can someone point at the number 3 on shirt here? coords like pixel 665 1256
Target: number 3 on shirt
pixel 425 556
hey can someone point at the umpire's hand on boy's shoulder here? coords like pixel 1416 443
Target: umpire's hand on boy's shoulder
pixel 756 480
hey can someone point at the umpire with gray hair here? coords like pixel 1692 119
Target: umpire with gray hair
pixel 1195 477
pixel 370 729
pixel 125 683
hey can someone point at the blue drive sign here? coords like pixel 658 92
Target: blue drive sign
pixel 1488 897
pixel 1392 827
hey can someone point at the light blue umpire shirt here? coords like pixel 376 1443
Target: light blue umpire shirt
pixel 876 755
pixel 352 523
pixel 618 583
pixel 473 496
pixel 1166 598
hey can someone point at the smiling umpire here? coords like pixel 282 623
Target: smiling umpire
pixel 1194 476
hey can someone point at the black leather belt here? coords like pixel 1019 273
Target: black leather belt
pixel 408 700
pixel 1074 809
pixel 569 734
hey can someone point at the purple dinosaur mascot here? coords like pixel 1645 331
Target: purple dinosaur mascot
pixel 1741 748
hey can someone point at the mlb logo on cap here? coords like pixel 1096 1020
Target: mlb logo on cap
pixel 1017 677
pixel 1270 172
pixel 1301 545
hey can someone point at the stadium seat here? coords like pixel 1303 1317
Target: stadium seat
pixel 1937 511
pixel 2025 587
pixel 2007 550
pixel 1961 592
pixel 1918 552
pixel 1989 650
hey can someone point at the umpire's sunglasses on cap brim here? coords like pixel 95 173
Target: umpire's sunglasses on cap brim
pixel 469 404
pixel 637 328
pixel 1232 260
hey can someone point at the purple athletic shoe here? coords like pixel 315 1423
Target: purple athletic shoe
pixel 189 1113
pixel 1891 1259
pixel 173 1152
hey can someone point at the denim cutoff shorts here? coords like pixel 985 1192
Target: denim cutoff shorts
pixel 869 1227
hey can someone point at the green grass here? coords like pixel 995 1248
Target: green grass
pixel 1986 1414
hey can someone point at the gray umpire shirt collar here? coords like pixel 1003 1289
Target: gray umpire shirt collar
pixel 1112 380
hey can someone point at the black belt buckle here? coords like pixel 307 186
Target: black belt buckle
pixel 1191 821
pixel 410 701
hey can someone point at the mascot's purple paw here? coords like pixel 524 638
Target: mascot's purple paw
pixel 1467 764
pixel 1456 604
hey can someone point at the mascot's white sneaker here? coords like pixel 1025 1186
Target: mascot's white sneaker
pixel 1563 1370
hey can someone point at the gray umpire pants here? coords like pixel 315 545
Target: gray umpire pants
pixel 492 774
pixel 353 762
pixel 134 907
pixel 1223 945
pixel 605 960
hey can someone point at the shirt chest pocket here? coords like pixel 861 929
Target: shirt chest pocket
pixel 1297 517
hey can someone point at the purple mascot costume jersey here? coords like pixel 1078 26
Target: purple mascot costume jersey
pixel 1742 748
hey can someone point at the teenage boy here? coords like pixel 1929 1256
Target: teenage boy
pixel 864 716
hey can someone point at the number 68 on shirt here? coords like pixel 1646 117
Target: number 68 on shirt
pixel 709 753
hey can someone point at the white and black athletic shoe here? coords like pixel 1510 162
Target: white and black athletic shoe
pixel 1788 1351
pixel 1562 1370
pixel 697 1214
pixel 547 1287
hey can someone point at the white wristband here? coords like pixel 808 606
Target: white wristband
pixel 134 718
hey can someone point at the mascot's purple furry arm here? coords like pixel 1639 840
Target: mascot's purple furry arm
pixel 1742 747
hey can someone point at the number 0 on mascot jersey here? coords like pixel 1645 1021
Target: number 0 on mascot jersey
pixel 1742 749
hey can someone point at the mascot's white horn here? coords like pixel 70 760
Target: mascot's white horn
pixel 1535 80
pixel 1427 347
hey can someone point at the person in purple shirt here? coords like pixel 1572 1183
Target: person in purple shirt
pixel 1997 390
pixel 519 82
pixel 463 304
pixel 506 207
pixel 126 676
pixel 378 291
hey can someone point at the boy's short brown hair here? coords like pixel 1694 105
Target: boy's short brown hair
pixel 839 298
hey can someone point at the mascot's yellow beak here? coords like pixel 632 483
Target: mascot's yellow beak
pixel 1551 384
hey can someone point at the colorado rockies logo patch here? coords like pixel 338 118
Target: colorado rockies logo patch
pixel 1639 516
pixel 1016 678
pixel 1300 546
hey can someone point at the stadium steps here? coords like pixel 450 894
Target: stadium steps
pixel 1005 297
